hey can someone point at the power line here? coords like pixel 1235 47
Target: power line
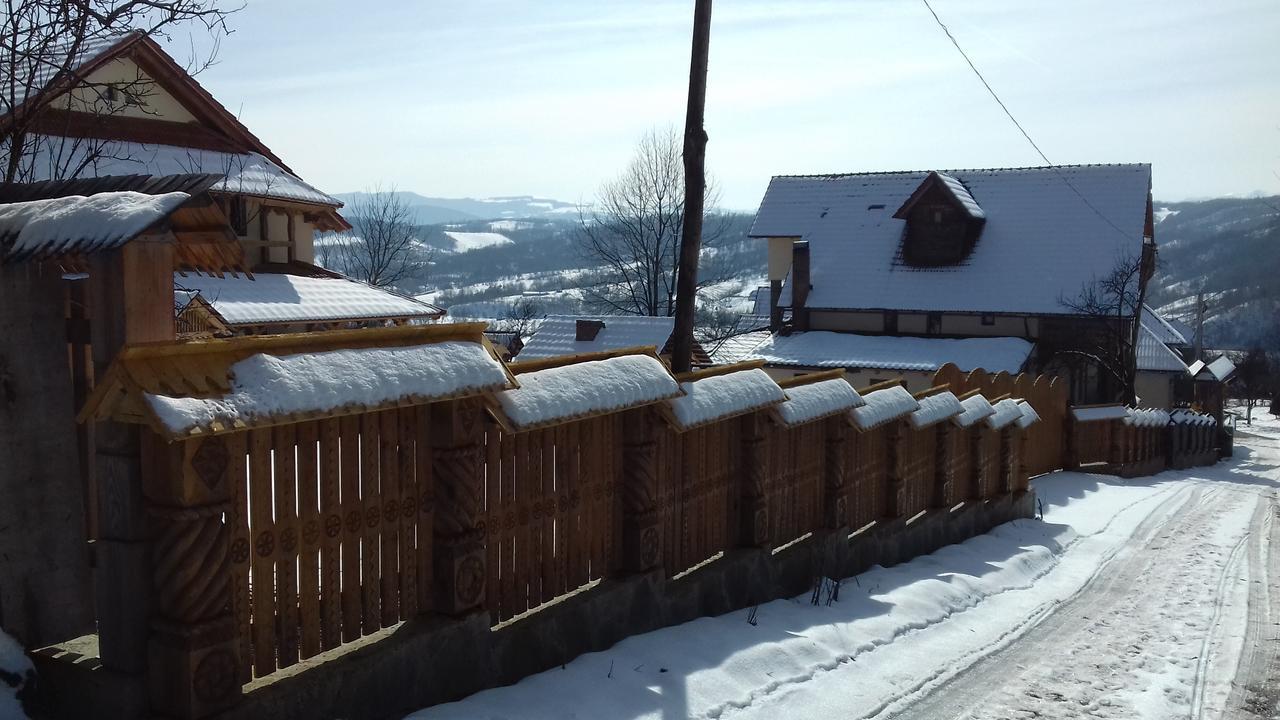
pixel 1017 124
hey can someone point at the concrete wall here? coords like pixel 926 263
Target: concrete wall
pixel 45 593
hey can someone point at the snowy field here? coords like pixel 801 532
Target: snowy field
pixel 1141 598
pixel 468 241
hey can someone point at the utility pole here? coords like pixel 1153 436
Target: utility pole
pixel 1199 344
pixel 695 185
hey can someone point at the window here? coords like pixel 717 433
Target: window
pixel 988 319
pixel 935 324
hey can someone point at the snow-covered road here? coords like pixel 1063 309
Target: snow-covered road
pixel 1145 598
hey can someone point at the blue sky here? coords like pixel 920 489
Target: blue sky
pixel 496 97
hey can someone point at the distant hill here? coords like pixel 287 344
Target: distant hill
pixel 1230 249
pixel 434 211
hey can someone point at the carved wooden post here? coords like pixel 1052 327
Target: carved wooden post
pixel 837 489
pixel 641 540
pixel 896 486
pixel 457 433
pixel 977 463
pixel 1008 461
pixel 193 663
pixel 755 483
pixel 943 467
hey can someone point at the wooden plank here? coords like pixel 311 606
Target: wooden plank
pixel 507 550
pixel 262 524
pixel 309 521
pixel 389 556
pixel 426 514
pixel 550 582
pixel 522 543
pixel 410 502
pixel 493 517
pixel 241 549
pixel 331 525
pixel 371 502
pixel 563 528
pixel 352 526
pixel 286 484
pixel 533 489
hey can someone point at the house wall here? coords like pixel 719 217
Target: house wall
pixel 157 105
pixel 780 257
pixel 1154 389
pixel 918 324
pixel 846 321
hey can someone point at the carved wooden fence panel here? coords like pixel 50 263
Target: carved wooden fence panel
pixel 796 493
pixel 917 454
pixel 552 509
pixel 1091 441
pixel 868 477
pixel 985 453
pixel 697 492
pixel 330 526
pixel 964 483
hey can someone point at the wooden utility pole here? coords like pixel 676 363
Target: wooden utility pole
pixel 695 186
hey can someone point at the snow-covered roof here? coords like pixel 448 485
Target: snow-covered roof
pixel 1099 412
pixel 882 406
pixel 1186 417
pixel 1221 369
pixel 1155 356
pixel 716 397
pixel 244 173
pixel 976 408
pixel 1029 415
pixel 936 408
pixel 582 389
pixel 820 399
pixel 1042 240
pixel 954 187
pixel 558 335
pixel 267 386
pixel 826 349
pixel 278 298
pixel 1162 328
pixel 1006 411
pixel 79 224
pixel 1147 418
pixel 733 349
pixel 36 72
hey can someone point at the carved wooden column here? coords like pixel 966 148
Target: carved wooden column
pixel 944 468
pixel 1008 461
pixel 977 463
pixel 895 474
pixel 193 662
pixel 755 483
pixel 457 434
pixel 837 488
pixel 641 540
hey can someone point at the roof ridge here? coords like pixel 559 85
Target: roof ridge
pixel 867 173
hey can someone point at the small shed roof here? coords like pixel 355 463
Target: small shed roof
pixel 271 298
pixel 953 187
pixel 826 349
pixel 76 224
pixel 1162 328
pixel 1220 370
pixel 1155 356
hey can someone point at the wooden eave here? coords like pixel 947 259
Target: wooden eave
pixel 812 379
pixel 719 371
pixel 202 369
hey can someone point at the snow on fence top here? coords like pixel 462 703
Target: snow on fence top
pixel 268 386
pixel 1029 415
pixel 81 224
pixel 1006 411
pixel 936 408
pixel 716 397
pixel 1147 418
pixel 573 391
pixel 816 400
pixel 1186 417
pixel 883 406
pixel 1100 412
pixel 976 407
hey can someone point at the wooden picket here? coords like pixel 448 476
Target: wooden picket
pixel 797 462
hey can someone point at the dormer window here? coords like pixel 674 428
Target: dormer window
pixel 943 222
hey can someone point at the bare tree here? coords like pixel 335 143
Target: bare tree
pixel 633 232
pixel 523 318
pixel 382 248
pixel 43 45
pixel 1110 306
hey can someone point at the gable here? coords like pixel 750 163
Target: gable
pixel 1048 232
pixel 156 102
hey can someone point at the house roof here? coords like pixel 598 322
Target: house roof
pixel 1049 231
pixel 558 335
pixel 79 224
pixel 1155 356
pixel 272 298
pixel 953 187
pixel 736 348
pixel 1219 370
pixel 823 349
pixel 1164 330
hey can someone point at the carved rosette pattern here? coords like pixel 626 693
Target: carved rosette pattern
pixel 460 489
pixel 192 563
pixel 468 581
pixel 210 461
pixel 215 676
pixel 640 463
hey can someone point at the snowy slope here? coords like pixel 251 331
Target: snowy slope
pixel 467 241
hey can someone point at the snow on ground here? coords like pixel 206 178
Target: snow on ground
pixel 468 241
pixel 1126 601
pixel 15 671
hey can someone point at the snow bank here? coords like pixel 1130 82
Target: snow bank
pixel 1029 415
pixel 571 391
pixel 268 385
pixel 1095 414
pixel 468 241
pixel 976 407
pixel 826 397
pixel 1006 411
pixel 721 396
pixel 936 408
pixel 76 222
pixel 16 671
pixel 1147 418
pixel 882 406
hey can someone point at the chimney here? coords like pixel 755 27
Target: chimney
pixel 775 312
pixel 588 330
pixel 800 285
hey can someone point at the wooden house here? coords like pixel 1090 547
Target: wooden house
pixel 891 275
pixel 1162 380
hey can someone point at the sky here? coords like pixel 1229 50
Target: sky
pixel 496 97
